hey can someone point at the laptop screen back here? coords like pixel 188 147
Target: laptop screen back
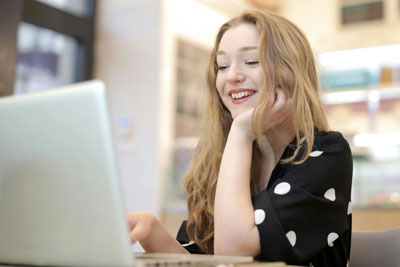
pixel 60 200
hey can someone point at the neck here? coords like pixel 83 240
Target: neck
pixel 275 142
pixel 279 138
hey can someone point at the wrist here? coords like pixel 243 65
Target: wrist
pixel 244 132
pixel 151 232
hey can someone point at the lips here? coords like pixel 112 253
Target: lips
pixel 241 95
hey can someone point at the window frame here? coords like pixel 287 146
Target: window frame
pixel 82 28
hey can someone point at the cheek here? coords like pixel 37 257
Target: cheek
pixel 260 77
pixel 219 84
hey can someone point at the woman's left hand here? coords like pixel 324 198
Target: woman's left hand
pixel 147 229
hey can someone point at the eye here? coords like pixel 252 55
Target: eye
pixel 252 62
pixel 222 67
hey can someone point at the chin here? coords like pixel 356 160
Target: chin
pixel 238 112
pixel 234 115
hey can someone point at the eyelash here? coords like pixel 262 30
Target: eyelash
pixel 248 62
pixel 252 62
pixel 223 67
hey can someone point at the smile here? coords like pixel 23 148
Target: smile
pixel 239 96
pixel 242 94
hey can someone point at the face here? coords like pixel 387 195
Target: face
pixel 240 76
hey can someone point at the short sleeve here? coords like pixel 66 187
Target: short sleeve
pixel 183 238
pixel 305 209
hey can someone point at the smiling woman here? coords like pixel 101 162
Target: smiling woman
pixel 269 178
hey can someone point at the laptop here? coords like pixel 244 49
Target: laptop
pixel 60 201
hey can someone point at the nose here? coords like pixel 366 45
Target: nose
pixel 235 74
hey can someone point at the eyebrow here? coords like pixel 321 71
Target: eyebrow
pixel 245 48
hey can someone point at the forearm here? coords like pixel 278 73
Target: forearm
pixel 161 241
pixel 235 231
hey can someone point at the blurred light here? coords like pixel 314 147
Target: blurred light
pixel 374 96
pixel 395 197
pixel 373 140
pixel 354 58
pixel 384 153
pixel 344 97
pixel 355 96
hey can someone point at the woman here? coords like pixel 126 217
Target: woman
pixel 268 178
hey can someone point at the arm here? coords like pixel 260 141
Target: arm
pixel 235 230
pixel 152 236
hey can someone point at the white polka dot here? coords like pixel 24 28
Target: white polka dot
pixel 191 242
pixel 316 153
pixel 259 216
pixel 291 235
pixel 330 194
pixel 349 208
pixel 332 237
pixel 282 188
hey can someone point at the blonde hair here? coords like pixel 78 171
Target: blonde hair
pixel 288 63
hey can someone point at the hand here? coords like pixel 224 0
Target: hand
pixel 153 237
pixel 141 225
pixel 278 110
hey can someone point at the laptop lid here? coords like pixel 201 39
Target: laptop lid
pixel 60 200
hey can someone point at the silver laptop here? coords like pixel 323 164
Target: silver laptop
pixel 60 201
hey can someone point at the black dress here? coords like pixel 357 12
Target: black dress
pixel 304 215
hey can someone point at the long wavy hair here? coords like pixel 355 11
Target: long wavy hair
pixel 288 63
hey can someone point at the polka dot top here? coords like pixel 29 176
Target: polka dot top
pixel 304 214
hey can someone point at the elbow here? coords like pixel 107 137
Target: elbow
pixel 241 240
pixel 229 251
pixel 235 249
pixel 221 249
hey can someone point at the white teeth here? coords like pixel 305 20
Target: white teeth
pixel 241 94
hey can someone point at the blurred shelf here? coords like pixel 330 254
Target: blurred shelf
pixel 360 94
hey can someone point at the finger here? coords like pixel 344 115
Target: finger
pixel 280 101
pixel 288 105
pixel 132 237
pixel 282 108
pixel 140 231
pixel 132 220
pixel 272 100
pixel 275 96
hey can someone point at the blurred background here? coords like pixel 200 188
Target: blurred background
pixel 152 55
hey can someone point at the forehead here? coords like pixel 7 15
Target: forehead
pixel 242 35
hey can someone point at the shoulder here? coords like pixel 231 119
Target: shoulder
pixel 331 149
pixel 330 164
pixel 329 144
pixel 331 141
